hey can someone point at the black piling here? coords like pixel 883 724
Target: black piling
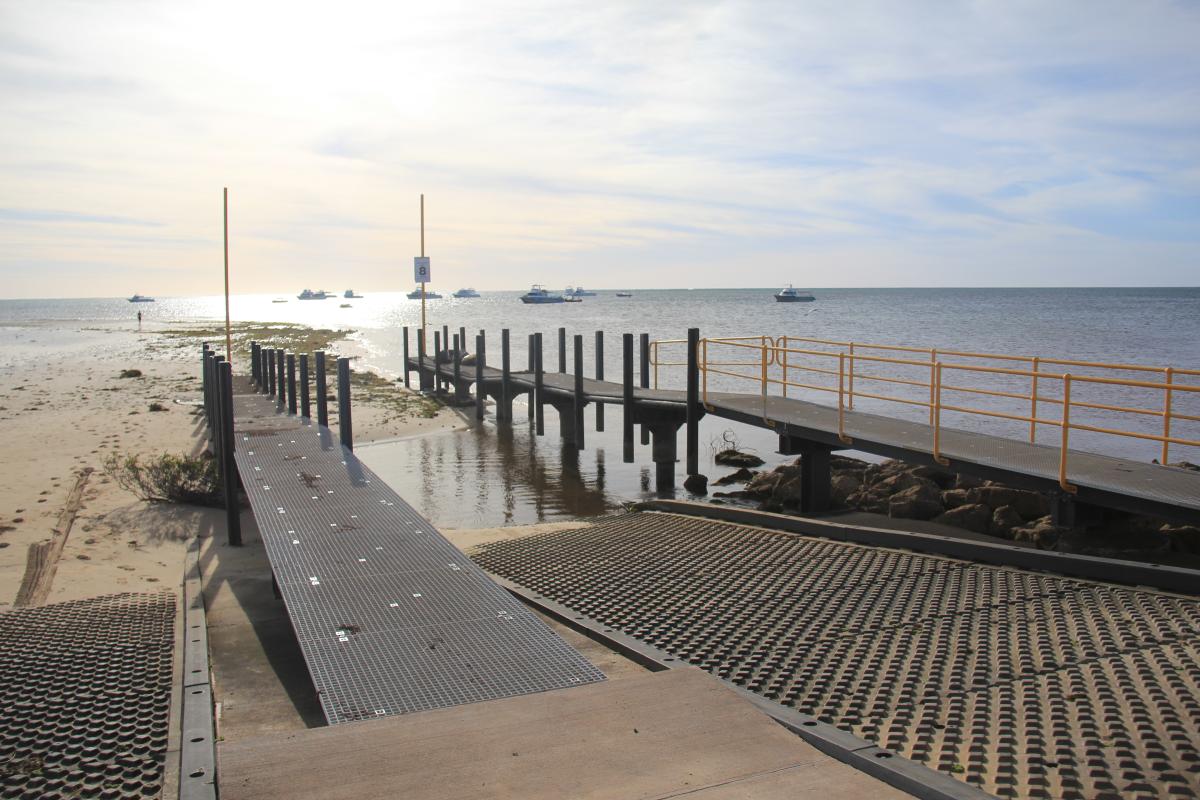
pixel 437 357
pixel 407 382
pixel 458 385
pixel 304 404
pixel 539 385
pixel 291 384
pixel 645 347
pixel 322 391
pixel 214 378
pixel 254 362
pixel 233 522
pixel 424 378
pixel 504 407
pixel 693 401
pixel 345 425
pixel 579 401
pixel 600 377
pixel 562 350
pixel 627 398
pixel 271 372
pixel 480 396
pixel 205 355
pixel 281 380
pixel 529 366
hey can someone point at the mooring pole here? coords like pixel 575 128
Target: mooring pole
pixel 579 401
pixel 539 385
pixel 424 379
pixel 458 388
pixel 437 357
pixel 281 372
pixel 480 397
pixel 214 379
pixel 254 362
pixel 599 377
pixel 562 350
pixel 645 343
pixel 291 384
pixel 304 405
pixel 407 383
pixel 693 401
pixel 233 522
pixel 529 366
pixel 345 424
pixel 265 360
pixel 627 398
pixel 205 355
pixel 269 389
pixel 322 391
pixel 504 411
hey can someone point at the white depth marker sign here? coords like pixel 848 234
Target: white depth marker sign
pixel 421 270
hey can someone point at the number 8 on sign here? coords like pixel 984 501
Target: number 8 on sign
pixel 421 270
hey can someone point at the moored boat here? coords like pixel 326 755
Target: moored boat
pixel 468 292
pixel 415 294
pixel 578 291
pixel 350 295
pixel 793 295
pixel 141 298
pixel 308 294
pixel 538 295
pixel 624 294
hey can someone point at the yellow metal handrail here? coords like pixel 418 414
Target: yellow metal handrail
pixel 764 352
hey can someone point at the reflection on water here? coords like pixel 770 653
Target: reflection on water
pixel 494 475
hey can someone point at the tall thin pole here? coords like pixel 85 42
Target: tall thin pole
pixel 422 256
pixel 228 336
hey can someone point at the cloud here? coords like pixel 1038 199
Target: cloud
pixel 72 217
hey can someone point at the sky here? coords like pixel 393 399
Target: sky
pixel 611 144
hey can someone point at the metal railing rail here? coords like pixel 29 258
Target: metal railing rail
pixel 752 358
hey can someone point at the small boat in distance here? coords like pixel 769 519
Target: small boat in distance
pixel 141 298
pixel 308 294
pixel 537 295
pixel 578 291
pixel 624 294
pixel 793 295
pixel 468 292
pixel 279 300
pixel 415 294
pixel 350 295
pixel 572 299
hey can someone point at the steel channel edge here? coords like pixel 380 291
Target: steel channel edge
pixel 198 746
pixel 1110 570
pixel 895 770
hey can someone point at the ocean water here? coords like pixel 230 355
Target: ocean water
pixel 486 476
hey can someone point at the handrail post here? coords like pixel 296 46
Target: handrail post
pixel 627 397
pixel 932 376
pixel 345 423
pixel 322 391
pixel 693 401
pixel 785 364
pixel 1066 430
pixel 599 377
pixel 851 399
pixel 1033 400
pixel 233 521
pixel 407 380
pixel 1170 372
pixel 305 409
pixel 841 405
pixel 937 417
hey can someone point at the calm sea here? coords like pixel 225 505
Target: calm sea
pixel 486 476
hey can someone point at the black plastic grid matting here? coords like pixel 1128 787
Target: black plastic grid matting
pixel 391 617
pixel 85 696
pixel 1026 684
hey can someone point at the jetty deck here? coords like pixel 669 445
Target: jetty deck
pixel 391 618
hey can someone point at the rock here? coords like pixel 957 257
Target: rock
pixel 839 465
pixel 1030 505
pixel 736 458
pixel 865 500
pixel 1185 465
pixel 740 476
pixel 1004 519
pixel 968 482
pixel 696 484
pixel 841 487
pixel 921 501
pixel 943 478
pixel 953 498
pixel 970 517
pixel 1041 533
pixel 468 360
pixel 1184 538
pixel 899 482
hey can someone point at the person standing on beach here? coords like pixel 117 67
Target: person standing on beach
pixel 139 320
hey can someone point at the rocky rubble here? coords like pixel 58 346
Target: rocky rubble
pixel 907 491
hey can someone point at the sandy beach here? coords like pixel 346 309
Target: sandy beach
pixel 64 408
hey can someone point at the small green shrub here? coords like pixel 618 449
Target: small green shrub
pixel 168 478
pixel 131 373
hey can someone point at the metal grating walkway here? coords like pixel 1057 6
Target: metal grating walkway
pixel 391 618
pixel 1022 683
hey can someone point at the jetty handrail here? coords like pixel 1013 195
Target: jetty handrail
pixel 776 362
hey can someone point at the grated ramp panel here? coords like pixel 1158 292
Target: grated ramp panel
pixel 85 688
pixel 391 617
pixel 1026 684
